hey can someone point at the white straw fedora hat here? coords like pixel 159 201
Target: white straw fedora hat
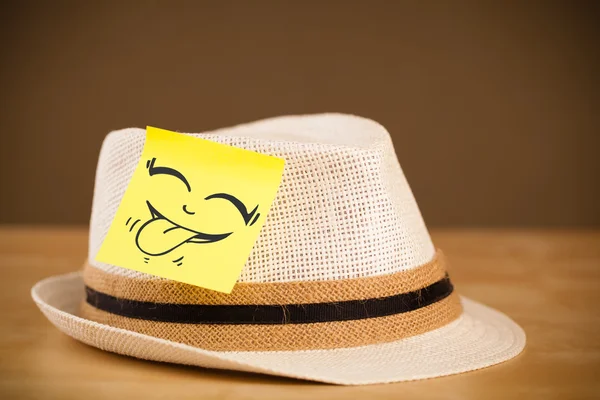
pixel 343 284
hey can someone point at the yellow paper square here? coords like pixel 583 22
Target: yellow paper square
pixel 192 211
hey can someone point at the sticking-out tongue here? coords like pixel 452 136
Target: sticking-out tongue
pixel 160 236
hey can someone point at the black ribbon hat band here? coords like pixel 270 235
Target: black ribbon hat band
pixel 272 314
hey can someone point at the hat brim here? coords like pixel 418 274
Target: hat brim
pixel 479 338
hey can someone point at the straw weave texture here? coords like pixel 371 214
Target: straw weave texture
pixel 344 213
pixel 322 335
pixel 344 208
pixel 480 337
pixel 273 293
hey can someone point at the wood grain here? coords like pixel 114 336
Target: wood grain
pixel 548 281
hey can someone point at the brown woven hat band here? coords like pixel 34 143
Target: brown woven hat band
pixel 427 287
pixel 276 293
pixel 283 337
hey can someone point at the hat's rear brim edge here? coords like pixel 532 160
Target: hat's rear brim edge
pixel 479 338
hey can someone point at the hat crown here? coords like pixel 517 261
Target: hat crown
pixel 343 210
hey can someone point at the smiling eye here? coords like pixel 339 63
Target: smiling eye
pixel 152 170
pixel 241 207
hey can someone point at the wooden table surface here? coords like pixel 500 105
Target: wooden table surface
pixel 547 281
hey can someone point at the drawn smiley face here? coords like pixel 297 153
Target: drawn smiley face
pixel 163 233
pixel 192 211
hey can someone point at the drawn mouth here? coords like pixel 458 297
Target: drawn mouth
pixel 160 235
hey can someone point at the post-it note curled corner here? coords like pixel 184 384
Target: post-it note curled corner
pixel 192 210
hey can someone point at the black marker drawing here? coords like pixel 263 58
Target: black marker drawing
pixel 134 224
pixel 238 204
pixel 185 210
pixel 178 261
pixel 166 171
pixel 174 235
pixel 195 236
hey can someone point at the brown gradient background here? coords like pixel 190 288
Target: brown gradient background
pixel 493 106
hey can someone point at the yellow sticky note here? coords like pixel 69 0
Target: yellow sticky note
pixel 192 211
